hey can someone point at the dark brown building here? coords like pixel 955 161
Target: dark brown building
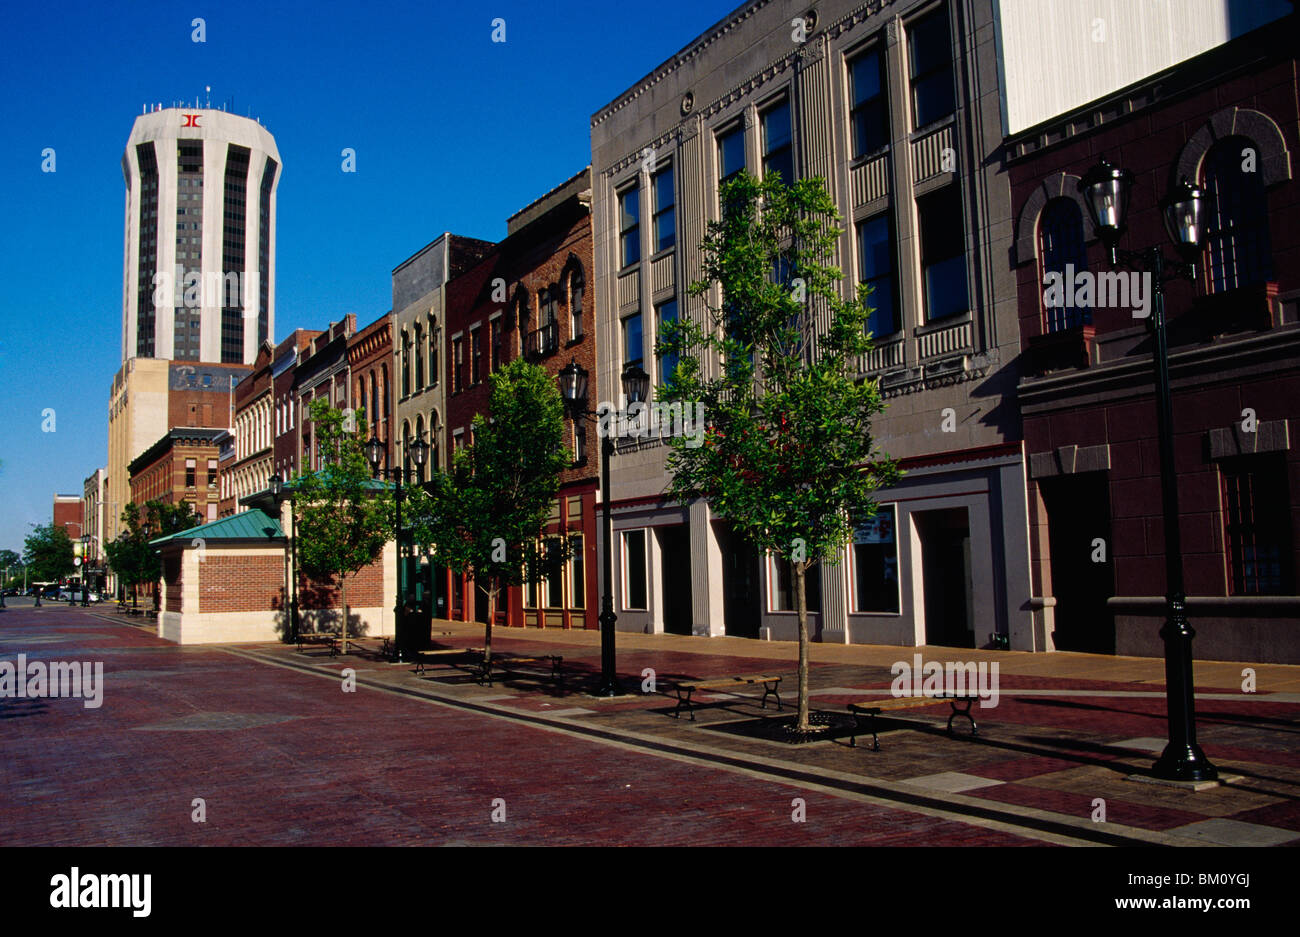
pixel 1226 121
pixel 182 466
pixel 369 353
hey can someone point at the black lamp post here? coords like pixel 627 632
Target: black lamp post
pixel 85 570
pixel 573 388
pixel 418 451
pixel 135 591
pixel 1106 189
pixel 277 486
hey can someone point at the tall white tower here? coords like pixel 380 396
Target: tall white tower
pixel 198 271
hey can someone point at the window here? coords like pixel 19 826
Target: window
pixel 876 269
pixel 419 434
pixel 634 569
pixel 1237 238
pixel 406 364
pixel 577 575
pixel 554 573
pixel 778 146
pixel 665 220
pixel 372 411
pixel 433 353
pixel 1061 246
pixel 943 253
pixel 632 344
pixel 494 339
pixel 476 356
pixel 457 353
pixel 189 473
pixel 870 112
pixel 406 445
pixel 212 473
pixel 1255 532
pixel 629 226
pixel 577 286
pixel 435 434
pixel 664 313
pixel 579 441
pixel 731 153
pixel 875 562
pixel 383 391
pixel 419 358
pixel 783 592
pixel 929 45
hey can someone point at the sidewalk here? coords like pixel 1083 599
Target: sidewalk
pixel 1068 737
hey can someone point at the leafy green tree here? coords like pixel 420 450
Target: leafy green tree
pixel 787 456
pixel 9 560
pixel 47 551
pixel 484 517
pixel 130 555
pixel 344 520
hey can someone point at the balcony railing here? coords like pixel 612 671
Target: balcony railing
pixel 542 341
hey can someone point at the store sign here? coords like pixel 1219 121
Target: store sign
pixel 879 529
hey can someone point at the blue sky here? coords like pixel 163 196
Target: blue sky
pixel 451 131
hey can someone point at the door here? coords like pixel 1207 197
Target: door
pixel 675 578
pixel 740 583
pixel 945 576
pixel 1083 573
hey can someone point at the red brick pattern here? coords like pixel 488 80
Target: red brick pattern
pixel 240 583
pixel 365 590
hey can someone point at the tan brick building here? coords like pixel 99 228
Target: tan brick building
pixel 182 466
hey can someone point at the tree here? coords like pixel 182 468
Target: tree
pixel 47 552
pixel 344 521
pixel 8 560
pixel 130 555
pixel 485 516
pixel 787 456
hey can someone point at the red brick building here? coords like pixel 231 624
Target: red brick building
pixel 254 435
pixel 369 356
pixel 181 466
pixel 1228 121
pixel 321 373
pixel 284 373
pixel 529 297
pixel 67 514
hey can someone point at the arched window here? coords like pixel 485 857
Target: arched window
pixel 419 434
pixel 435 432
pixel 406 445
pixel 385 393
pixel 406 363
pixel 419 357
pixel 1239 252
pixel 521 318
pixel 1063 254
pixel 433 351
pixel 577 287
pixel 372 411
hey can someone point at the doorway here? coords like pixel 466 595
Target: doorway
pixel 675 578
pixel 740 583
pixel 1083 573
pixel 946 578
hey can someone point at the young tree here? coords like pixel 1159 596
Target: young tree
pixel 484 517
pixel 130 555
pixel 344 519
pixel 47 551
pixel 787 457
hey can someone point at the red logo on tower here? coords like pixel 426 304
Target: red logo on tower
pixel 191 120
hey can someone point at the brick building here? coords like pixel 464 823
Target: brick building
pixel 529 297
pixel 321 373
pixel 1227 121
pixel 369 353
pixel 67 513
pixel 284 373
pixel 182 466
pixel 253 429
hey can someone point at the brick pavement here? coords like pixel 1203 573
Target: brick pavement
pixel 282 756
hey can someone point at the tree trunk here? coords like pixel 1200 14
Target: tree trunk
pixel 343 596
pixel 491 591
pixel 800 568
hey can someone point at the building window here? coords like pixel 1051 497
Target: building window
pixel 433 353
pixel 876 269
pixel 783 592
pixel 476 356
pixel 212 473
pixel 435 435
pixel 579 441
pixel 665 211
pixel 1237 238
pixel 943 253
pixel 554 574
pixel 870 113
pixel 1255 531
pixel 577 574
pixel 419 434
pixel 929 46
pixel 665 313
pixel 577 287
pixel 406 364
pixel 189 473
pixel 731 154
pixel 419 358
pixel 457 360
pixel 494 340
pixel 634 570
pixel 875 562
pixel 629 225
pixel 778 145
pixel 1061 246
pixel 632 344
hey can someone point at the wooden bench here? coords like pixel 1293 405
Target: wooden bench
pixel 424 659
pixel 874 706
pixel 152 614
pixel 384 650
pixel 319 637
pixel 510 664
pixel 686 688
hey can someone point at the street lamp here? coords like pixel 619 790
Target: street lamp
pixel 291 581
pixel 1105 190
pixel 135 591
pixel 85 570
pixel 573 388
pixel 375 452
